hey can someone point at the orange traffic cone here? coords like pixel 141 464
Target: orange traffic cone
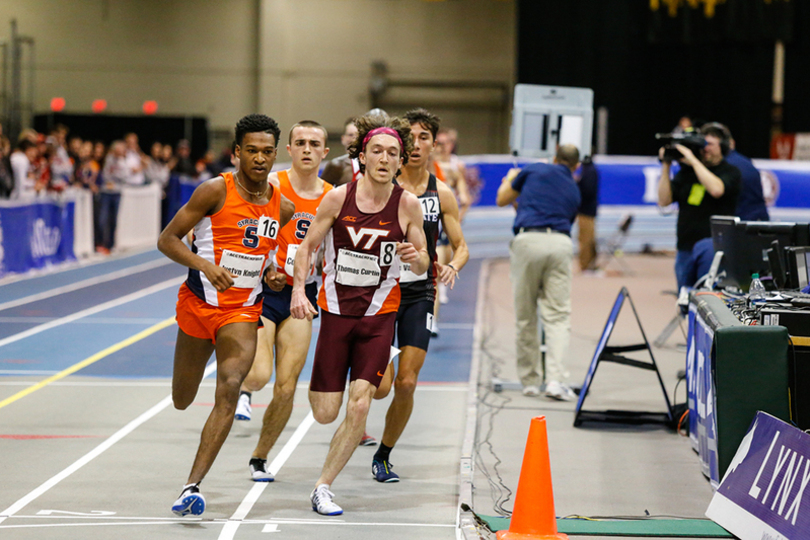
pixel 533 516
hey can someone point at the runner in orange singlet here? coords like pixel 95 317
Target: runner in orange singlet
pixel 236 219
pixel 288 336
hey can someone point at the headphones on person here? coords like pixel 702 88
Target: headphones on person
pixel 725 135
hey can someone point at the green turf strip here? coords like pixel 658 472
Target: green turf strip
pixel 702 528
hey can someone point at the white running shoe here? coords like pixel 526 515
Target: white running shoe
pixel 243 410
pixel 531 390
pixel 559 391
pixel 321 499
pixel 258 470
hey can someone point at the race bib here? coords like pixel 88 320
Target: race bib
pixel 357 269
pixel 388 253
pixel 406 276
pixel 289 264
pixel 247 269
pixel 430 208
pixel 268 227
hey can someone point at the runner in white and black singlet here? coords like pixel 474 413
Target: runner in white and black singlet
pixel 415 314
pixel 365 226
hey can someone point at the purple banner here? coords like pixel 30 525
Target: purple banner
pixel 764 493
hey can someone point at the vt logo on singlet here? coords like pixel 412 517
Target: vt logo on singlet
pixel 357 236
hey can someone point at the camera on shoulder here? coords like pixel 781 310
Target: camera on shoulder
pixel 693 140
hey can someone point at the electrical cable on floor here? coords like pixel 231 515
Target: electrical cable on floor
pixel 492 404
pixel 499 492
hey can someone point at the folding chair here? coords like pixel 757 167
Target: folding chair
pixel 613 246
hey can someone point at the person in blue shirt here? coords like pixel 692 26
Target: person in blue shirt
pixel 540 265
pixel 751 202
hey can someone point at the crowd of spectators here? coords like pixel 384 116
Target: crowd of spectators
pixel 37 164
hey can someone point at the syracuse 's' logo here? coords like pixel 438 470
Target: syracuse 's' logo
pixel 357 236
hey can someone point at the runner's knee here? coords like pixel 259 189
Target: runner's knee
pixel 383 390
pixel 284 390
pixel 405 386
pixel 358 408
pixel 325 415
pixel 181 402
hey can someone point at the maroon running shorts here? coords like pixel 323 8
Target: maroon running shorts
pixel 359 344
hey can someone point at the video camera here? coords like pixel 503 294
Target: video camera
pixel 693 140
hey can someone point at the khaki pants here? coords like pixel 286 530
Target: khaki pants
pixel 540 266
pixel 587 242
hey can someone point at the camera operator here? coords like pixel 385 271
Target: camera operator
pixel 703 187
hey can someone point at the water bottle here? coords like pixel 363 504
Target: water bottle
pixel 756 292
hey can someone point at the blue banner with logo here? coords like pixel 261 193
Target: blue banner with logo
pixel 700 394
pixel 764 493
pixel 633 180
pixel 35 235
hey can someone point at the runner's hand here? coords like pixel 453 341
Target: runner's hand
pixel 300 308
pixel 275 280
pixel 219 277
pixel 447 274
pixel 407 253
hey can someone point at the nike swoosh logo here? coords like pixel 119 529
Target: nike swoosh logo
pixel 244 315
pixel 380 374
pixel 383 223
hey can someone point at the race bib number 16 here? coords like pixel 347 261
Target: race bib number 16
pixel 268 227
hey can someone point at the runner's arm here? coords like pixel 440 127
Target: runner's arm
pixel 206 200
pixel 277 280
pixel 414 251
pixel 506 193
pixel 464 197
pixel 300 307
pixel 448 273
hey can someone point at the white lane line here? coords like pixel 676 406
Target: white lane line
pixel 105 384
pixel 93 310
pixel 465 525
pixel 86 283
pixel 89 320
pixel 94 453
pixel 229 530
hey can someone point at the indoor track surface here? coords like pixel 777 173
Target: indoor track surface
pixel 92 447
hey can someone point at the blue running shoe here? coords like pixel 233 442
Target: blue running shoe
pixel 190 501
pixel 381 471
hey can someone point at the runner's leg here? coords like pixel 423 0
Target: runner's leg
pixel 262 368
pixel 292 343
pixel 236 347
pixel 411 360
pixel 190 357
pixel 348 434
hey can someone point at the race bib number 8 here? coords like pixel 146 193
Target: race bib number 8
pixel 388 253
pixel 268 227
pixel 246 269
pixel 357 269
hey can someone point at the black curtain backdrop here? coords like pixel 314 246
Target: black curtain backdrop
pixel 649 69
pixel 107 128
